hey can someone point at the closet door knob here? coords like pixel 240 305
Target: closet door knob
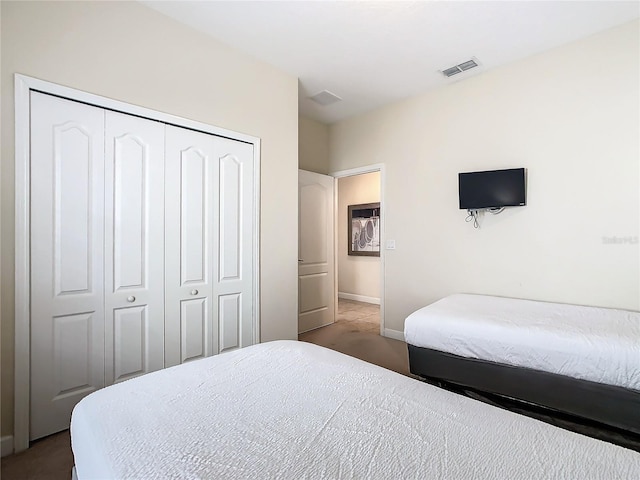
pixel 194 292
pixel 131 299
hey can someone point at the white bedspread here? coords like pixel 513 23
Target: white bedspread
pixel 597 344
pixel 293 410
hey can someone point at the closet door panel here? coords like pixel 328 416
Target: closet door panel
pixel 72 353
pixel 234 280
pixel 194 326
pixel 194 207
pixel 130 331
pixel 190 233
pixel 229 320
pixel 128 202
pixel 134 246
pixel 230 217
pixel 67 208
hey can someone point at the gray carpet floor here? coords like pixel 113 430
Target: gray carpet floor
pixel 356 333
pixel 48 458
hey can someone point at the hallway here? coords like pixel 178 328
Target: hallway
pixel 364 316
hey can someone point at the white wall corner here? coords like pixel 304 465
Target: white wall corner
pixel 395 334
pixel 359 298
pixel 7 445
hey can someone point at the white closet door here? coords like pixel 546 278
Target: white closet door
pixel 208 249
pixel 234 280
pixel 190 231
pixel 67 218
pixel 134 246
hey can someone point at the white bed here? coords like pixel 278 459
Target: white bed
pixel 596 344
pixel 294 410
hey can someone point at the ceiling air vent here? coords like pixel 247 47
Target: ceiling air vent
pixel 325 97
pixel 461 67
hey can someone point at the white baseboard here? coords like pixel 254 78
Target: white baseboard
pixel 395 334
pixel 7 445
pixel 359 298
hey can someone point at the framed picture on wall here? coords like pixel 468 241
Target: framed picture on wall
pixel 364 229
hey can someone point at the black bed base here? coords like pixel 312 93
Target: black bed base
pixel 609 405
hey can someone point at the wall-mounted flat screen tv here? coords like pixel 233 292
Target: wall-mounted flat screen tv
pixel 492 189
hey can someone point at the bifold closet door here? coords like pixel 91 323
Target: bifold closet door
pixel 234 276
pixel 208 245
pixel 142 241
pixel 134 246
pixel 97 253
pixel 67 231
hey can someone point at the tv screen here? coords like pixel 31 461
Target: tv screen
pixel 492 189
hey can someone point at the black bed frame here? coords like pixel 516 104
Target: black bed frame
pixel 608 405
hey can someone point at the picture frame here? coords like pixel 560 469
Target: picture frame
pixel 364 229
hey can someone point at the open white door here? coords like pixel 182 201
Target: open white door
pixel 316 255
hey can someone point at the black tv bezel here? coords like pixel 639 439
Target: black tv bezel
pixel 524 189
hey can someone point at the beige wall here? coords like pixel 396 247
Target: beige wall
pixel 571 116
pixel 313 145
pixel 356 275
pixel 131 53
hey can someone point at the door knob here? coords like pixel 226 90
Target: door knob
pixel 131 299
pixel 194 292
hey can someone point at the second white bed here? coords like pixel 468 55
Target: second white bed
pixel 597 344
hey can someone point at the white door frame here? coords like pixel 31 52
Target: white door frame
pixel 23 86
pixel 376 167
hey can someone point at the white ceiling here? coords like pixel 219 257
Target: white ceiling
pixel 372 53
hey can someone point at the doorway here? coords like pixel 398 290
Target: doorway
pixel 360 283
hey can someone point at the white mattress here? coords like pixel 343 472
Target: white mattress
pixel 597 344
pixel 294 410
